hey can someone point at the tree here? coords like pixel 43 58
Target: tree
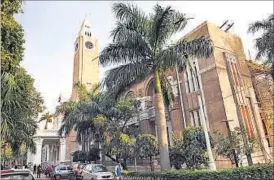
pixel 190 149
pixel 97 114
pixel 265 43
pixel 121 146
pixel 12 36
pixel 46 117
pixel 20 105
pixel 20 101
pixel 140 48
pixel 147 147
pixel 224 146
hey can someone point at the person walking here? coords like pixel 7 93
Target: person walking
pixel 34 169
pixel 39 171
pixel 118 171
pixel 52 173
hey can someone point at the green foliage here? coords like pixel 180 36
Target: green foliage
pixel 177 157
pixel 81 156
pixel 12 36
pixel 146 146
pixel 93 154
pixel 122 146
pixel 224 146
pixel 265 42
pixel 265 172
pixel 46 117
pixel 20 101
pixel 141 46
pixel 190 149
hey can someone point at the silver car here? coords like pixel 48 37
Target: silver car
pixel 62 171
pixel 96 172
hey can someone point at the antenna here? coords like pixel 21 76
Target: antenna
pixel 229 26
pixel 223 24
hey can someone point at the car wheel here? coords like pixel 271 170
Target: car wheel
pixel 57 177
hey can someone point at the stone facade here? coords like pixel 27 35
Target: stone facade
pixel 209 78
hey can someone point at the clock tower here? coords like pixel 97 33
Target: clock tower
pixel 85 71
pixel 86 66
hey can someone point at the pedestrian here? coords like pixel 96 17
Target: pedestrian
pixel 118 171
pixel 52 172
pixel 39 171
pixel 34 169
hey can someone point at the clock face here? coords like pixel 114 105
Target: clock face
pixel 76 46
pixel 89 45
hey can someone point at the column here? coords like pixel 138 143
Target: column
pixel 62 152
pixel 50 154
pixel 29 157
pixel 38 155
pixel 47 152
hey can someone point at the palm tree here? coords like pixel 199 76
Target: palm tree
pixel 265 43
pixel 17 124
pixel 46 117
pixel 140 48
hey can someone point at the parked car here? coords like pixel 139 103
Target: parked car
pixel 20 174
pixel 97 171
pixel 62 171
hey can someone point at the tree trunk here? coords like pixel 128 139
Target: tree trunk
pixel 161 125
pixel 103 154
pixel 125 163
pixel 151 165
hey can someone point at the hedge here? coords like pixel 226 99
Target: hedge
pixel 260 172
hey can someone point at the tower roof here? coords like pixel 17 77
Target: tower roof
pixel 85 26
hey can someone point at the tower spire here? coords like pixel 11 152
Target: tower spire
pixel 85 27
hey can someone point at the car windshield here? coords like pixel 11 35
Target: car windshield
pixel 99 168
pixel 17 176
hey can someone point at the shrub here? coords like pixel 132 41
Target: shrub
pixel 262 172
pixel 190 149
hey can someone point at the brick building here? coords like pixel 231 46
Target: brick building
pixel 209 78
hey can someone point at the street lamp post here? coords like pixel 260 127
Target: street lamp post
pixel 212 164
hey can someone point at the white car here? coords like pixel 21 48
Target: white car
pixel 96 172
pixel 17 174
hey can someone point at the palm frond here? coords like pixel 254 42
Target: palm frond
pixel 120 77
pixel 201 47
pixel 132 16
pixel 166 22
pixel 261 25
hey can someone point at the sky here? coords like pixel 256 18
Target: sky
pixel 52 26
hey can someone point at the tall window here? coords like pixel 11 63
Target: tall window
pixel 195 118
pixel 191 77
pixel 240 89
